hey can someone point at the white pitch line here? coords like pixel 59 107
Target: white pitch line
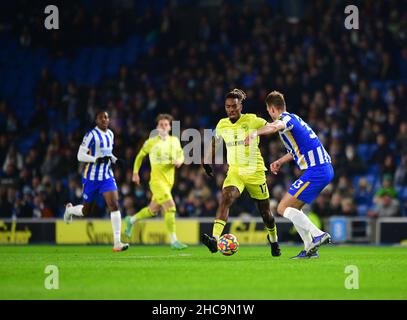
pixel 149 257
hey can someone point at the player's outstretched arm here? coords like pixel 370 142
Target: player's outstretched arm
pixel 276 165
pixel 139 160
pixel 136 167
pixel 268 129
pixel 271 128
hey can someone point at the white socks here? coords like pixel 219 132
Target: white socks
pixel 305 236
pixel 116 219
pixel 76 210
pixel 299 219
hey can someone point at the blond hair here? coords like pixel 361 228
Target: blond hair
pixel 164 116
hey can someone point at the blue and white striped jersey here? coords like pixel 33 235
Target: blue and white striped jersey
pixel 99 144
pixel 302 142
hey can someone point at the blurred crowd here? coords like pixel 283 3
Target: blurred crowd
pixel 350 86
pixel 100 25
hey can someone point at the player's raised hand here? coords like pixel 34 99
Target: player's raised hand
pixel 118 162
pixel 275 166
pixel 178 164
pixel 104 159
pixel 136 179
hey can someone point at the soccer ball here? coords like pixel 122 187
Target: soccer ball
pixel 228 244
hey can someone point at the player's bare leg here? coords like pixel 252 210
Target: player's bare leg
pixel 264 208
pixel 78 210
pixel 229 195
pixel 290 208
pixel 112 202
pixel 147 212
pixel 169 209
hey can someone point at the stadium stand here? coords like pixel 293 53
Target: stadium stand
pixel 350 86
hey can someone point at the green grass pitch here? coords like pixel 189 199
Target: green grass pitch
pixel 159 273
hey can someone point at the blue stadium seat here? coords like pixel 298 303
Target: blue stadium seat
pixel 377 185
pixel 84 54
pixel 373 170
pixel 112 65
pixel 10 87
pixel 362 210
pixel 131 50
pixel 92 78
pixel 26 88
pixel 366 151
pixel 399 190
pixel 22 68
pixel 59 69
pixel 72 126
pixel 355 181
pixel 362 150
pixel 65 182
pixel 376 85
pixel 371 150
pixel 371 179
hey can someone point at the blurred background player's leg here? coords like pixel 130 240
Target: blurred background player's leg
pixel 90 189
pixel 112 202
pixel 149 211
pixel 71 210
pixel 169 210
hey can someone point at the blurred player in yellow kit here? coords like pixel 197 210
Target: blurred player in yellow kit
pixel 246 169
pixel 165 155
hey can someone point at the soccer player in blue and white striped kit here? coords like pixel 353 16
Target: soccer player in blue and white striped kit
pixel 96 151
pixel 304 147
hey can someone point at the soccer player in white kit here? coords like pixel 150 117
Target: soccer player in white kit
pixel 97 151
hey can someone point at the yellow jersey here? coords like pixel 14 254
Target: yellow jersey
pixel 163 154
pixel 245 159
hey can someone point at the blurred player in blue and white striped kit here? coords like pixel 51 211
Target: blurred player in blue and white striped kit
pixel 97 151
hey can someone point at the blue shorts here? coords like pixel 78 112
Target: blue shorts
pixel 311 183
pixel 91 188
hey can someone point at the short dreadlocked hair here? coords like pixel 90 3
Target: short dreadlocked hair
pixel 236 94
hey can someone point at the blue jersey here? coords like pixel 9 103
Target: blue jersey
pixel 99 144
pixel 302 142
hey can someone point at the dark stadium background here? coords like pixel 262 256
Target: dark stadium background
pixel 141 58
